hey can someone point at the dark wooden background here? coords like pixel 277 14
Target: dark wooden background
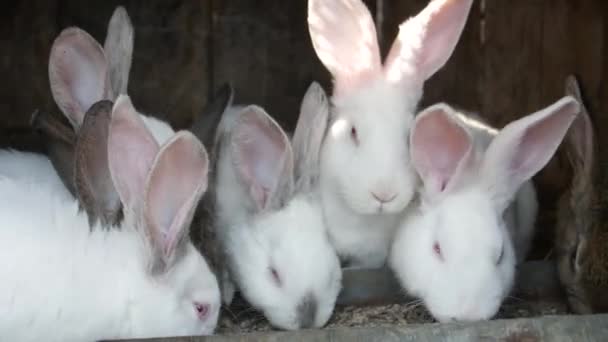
pixel 511 60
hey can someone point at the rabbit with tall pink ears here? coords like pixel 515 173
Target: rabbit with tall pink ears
pixel 366 177
pixel 66 283
pixel 458 250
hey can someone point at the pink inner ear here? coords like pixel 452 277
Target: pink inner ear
pixel 540 141
pixel 131 151
pixel 426 42
pixel 78 73
pixel 261 150
pixel 177 180
pixel 344 37
pixel 438 148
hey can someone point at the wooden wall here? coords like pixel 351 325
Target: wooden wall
pixel 511 60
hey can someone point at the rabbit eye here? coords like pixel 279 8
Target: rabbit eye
pixel 202 310
pixel 275 276
pixel 437 250
pixel 353 135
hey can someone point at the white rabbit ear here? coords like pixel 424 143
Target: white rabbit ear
pixel 177 180
pixel 78 73
pixel 344 36
pixel 118 48
pixel 426 41
pixel 263 158
pixel 308 137
pixel 440 148
pixel 525 146
pixel 131 151
pixel 95 189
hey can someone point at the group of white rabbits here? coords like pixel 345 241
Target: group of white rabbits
pixel 104 243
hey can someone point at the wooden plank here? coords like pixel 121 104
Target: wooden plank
pixel 27 31
pixel 548 328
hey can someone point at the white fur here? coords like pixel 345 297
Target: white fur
pixel 292 240
pixel 32 167
pixel 467 284
pixel 367 182
pixel 360 227
pixel 61 282
pixel 486 206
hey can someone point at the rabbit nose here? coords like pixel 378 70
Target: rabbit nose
pixel 384 197
pixel 306 312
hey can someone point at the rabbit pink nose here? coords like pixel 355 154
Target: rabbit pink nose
pixel 384 197
pixel 202 310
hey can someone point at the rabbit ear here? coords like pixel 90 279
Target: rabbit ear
pixel 263 158
pixel 344 36
pixel 426 41
pixel 177 180
pixel 308 137
pixel 440 148
pixel 525 146
pixel 94 186
pixel 118 48
pixel 204 127
pixel 131 151
pixel 78 73
pixel 60 143
pixel 580 137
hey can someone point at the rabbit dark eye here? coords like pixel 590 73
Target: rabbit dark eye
pixel 354 136
pixel 437 250
pixel 275 276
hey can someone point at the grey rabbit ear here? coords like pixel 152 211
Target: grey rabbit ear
pixel 205 125
pixel 308 137
pixel 94 186
pixel 118 48
pixel 60 142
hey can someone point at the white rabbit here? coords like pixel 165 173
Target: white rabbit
pixel 269 217
pixel 64 283
pixel 366 176
pixel 459 250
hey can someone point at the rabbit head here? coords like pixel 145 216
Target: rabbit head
pixel 456 253
pixel 160 187
pixel 279 255
pixel 364 157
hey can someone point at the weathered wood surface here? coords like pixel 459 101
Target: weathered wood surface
pixel 549 328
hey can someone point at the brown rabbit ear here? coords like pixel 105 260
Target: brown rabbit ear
pixel 60 141
pixel 92 178
pixel 205 125
pixel 580 147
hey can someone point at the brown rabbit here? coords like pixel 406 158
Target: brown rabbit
pixel 581 240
